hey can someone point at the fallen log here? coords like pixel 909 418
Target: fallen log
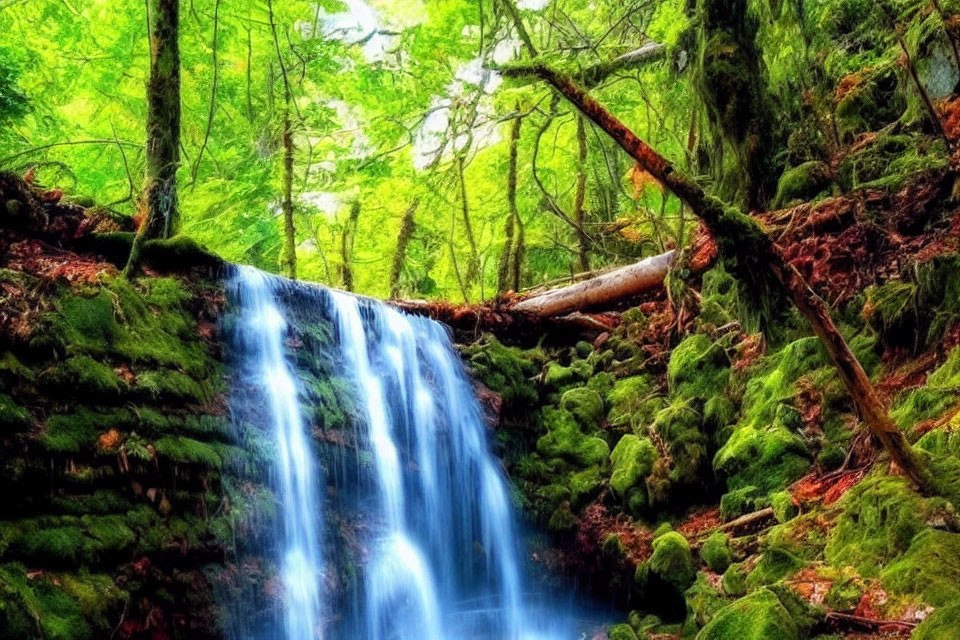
pixel 605 289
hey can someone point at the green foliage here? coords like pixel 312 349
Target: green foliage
pixel 12 415
pixel 890 161
pixel 83 376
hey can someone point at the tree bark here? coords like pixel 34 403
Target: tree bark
pixel 159 200
pixel 508 272
pixel 604 289
pixel 725 224
pixel 346 246
pixel 400 254
pixel 473 267
pixel 583 243
pixel 289 228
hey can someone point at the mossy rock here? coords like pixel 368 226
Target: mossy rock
pixel 934 398
pixel 680 426
pixel 879 519
pixel 802 183
pixel 929 568
pixel 758 616
pixel 776 564
pixel 720 302
pixel 171 386
pixel 735 580
pixel 783 506
pixel 565 440
pixel 739 501
pixel 584 486
pixel 698 368
pixel 585 405
pixel 942 624
pixel 845 593
pixel 870 104
pixel 672 560
pixel 715 552
pixel 632 460
pixel 627 400
pixel 703 602
pixel 509 371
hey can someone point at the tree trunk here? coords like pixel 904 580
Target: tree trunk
pixel 289 228
pixel 159 200
pixel 604 289
pixel 508 273
pixel 473 267
pixel 742 237
pixel 346 246
pixel 583 243
pixel 400 254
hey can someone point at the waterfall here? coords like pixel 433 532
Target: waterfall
pixel 402 528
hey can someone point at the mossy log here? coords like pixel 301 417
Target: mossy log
pixel 741 238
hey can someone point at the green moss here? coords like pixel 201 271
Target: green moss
pixel 584 486
pixel 557 376
pixel 735 580
pixel 585 405
pixel 185 450
pixel 703 602
pixel 802 183
pixel 84 376
pixel 110 533
pixel 879 518
pixel 507 370
pixel 845 593
pixel 890 161
pixel 627 402
pixel 621 632
pixel 934 398
pixel 776 564
pixel 13 416
pixel 698 368
pixel 672 560
pixel 632 460
pixel 19 616
pixel 715 552
pixel 679 426
pixel 759 616
pixel 565 440
pixel 168 385
pixel 75 432
pixel 942 624
pixel 739 501
pixel 783 506
pixel 720 302
pixel 930 568
pixel 764 449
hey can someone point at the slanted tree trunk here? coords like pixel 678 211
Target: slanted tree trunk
pixel 604 289
pixel 583 243
pixel 346 246
pixel 159 200
pixel 400 254
pixel 740 236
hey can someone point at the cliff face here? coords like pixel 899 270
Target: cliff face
pixel 112 434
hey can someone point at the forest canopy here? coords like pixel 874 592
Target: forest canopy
pixel 417 169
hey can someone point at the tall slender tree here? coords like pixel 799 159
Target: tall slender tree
pixel 161 214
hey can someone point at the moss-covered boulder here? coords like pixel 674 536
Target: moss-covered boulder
pixel 759 616
pixel 672 560
pixel 564 439
pixel 715 552
pixel 632 460
pixel 585 405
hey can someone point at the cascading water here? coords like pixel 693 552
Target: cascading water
pixel 409 509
